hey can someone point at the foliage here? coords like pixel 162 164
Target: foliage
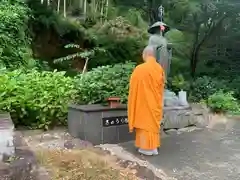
pixel 15 42
pixel 135 17
pixel 119 29
pixel 203 87
pixel 204 37
pixel 120 40
pixel 82 54
pixel 51 32
pixel 178 83
pixel 109 42
pixel 36 99
pixel 180 42
pixel 223 102
pixel 46 18
pixel 234 85
pixel 103 82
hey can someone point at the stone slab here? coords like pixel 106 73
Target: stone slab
pixel 96 108
pixel 99 107
pixel 209 154
pixel 99 125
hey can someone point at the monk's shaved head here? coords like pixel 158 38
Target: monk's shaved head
pixel 148 51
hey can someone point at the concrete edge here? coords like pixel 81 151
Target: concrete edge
pixel 23 163
pixel 128 160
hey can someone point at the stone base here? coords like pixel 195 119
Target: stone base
pixel 178 118
pixel 99 124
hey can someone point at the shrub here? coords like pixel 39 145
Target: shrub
pixel 120 40
pixel 178 83
pixel 204 87
pixel 36 99
pixel 102 82
pixel 15 43
pixel 235 87
pixel 223 102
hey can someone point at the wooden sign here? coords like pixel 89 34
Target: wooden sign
pixel 114 121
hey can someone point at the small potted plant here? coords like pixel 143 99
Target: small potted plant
pixel 114 102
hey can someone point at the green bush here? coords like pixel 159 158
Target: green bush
pixel 204 87
pixel 36 99
pixel 40 99
pixel 178 83
pixel 223 102
pixel 235 87
pixel 103 82
pixel 15 43
pixel 120 40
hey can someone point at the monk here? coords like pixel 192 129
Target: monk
pixel 145 103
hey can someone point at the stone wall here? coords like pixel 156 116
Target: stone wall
pixel 178 117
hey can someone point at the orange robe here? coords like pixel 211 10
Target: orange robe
pixel 145 103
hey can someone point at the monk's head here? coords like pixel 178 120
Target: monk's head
pixel 148 52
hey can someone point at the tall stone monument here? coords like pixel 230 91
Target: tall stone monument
pixel 163 53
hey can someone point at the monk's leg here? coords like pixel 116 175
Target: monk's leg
pixel 147 142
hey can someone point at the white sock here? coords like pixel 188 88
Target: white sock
pixel 145 152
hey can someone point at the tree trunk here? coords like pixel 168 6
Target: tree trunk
pixel 58 6
pixel 194 53
pixel 85 9
pixel 194 60
pixel 106 9
pixel 152 11
pixel 64 8
pixel 102 10
pixel 80 4
pixel 199 42
pixel 149 9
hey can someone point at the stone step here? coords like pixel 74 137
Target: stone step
pixel 18 161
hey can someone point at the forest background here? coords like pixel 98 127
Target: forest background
pixel 53 52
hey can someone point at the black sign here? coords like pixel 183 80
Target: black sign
pixel 114 121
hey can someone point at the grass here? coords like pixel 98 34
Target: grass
pixel 83 164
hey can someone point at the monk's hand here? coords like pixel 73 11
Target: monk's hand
pixel 130 130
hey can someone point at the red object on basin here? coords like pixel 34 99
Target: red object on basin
pixel 114 102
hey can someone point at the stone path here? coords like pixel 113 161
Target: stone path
pixel 212 153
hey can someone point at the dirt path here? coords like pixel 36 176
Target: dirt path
pixel 61 156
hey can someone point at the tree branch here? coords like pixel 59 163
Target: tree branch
pixel 211 30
